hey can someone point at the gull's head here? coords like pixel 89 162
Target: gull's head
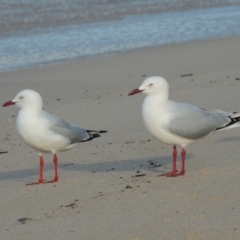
pixel 152 86
pixel 26 99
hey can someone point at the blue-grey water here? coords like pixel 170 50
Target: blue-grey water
pixel 29 38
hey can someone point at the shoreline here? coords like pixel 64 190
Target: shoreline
pixel 95 176
pixel 63 43
pixel 114 53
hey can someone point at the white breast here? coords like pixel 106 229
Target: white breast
pixel 35 133
pixel 156 118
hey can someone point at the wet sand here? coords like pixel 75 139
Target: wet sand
pixel 99 194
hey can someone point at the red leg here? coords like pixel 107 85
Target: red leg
pixel 41 167
pixel 183 153
pixel 182 172
pixel 55 161
pixel 174 168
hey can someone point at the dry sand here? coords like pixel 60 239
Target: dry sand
pixel 98 196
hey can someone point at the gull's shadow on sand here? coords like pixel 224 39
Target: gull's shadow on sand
pixel 115 165
pixel 127 165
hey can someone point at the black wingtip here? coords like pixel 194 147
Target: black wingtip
pixel 94 134
pixel 103 131
pixel 232 122
pixel 96 131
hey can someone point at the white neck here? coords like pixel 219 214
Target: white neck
pixel 156 99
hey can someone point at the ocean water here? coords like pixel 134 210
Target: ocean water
pixel 43 32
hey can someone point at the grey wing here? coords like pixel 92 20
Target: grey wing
pixel 61 127
pixel 191 122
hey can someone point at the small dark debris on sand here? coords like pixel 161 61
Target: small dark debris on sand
pixel 24 220
pixel 71 205
pixel 140 175
pixel 2 152
pixel 153 163
pixel 186 75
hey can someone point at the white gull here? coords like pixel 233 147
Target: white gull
pixel 178 123
pixel 44 131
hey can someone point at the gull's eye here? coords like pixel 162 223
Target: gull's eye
pixel 150 84
pixel 21 97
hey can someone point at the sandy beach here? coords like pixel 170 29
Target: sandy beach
pixel 99 195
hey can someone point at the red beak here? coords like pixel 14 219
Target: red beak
pixel 135 91
pixel 8 103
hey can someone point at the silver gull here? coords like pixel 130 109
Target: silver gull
pixel 178 123
pixel 44 131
